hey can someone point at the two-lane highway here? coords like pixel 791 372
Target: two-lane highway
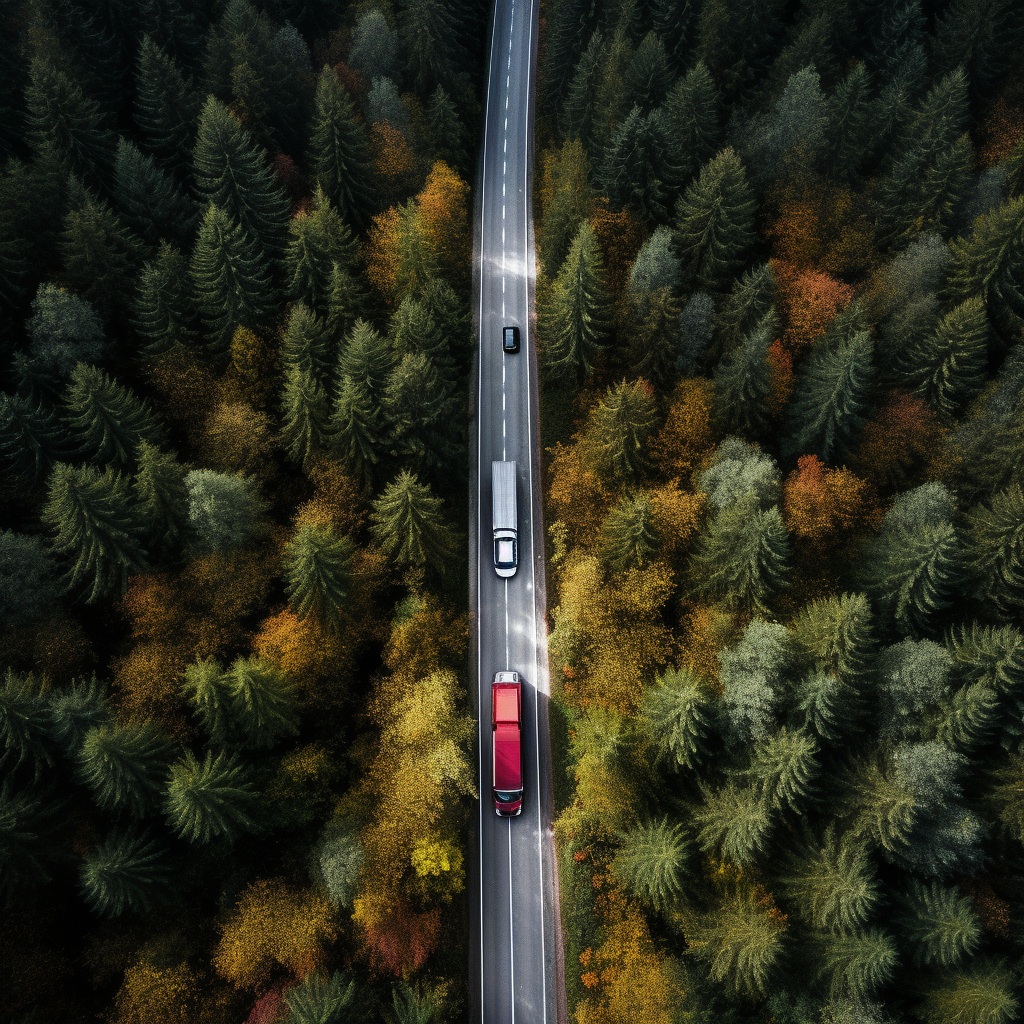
pixel 517 911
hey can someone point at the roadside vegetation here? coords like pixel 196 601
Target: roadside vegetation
pixel 235 739
pixel 780 321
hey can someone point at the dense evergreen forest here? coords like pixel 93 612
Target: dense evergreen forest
pixel 780 310
pixel 235 743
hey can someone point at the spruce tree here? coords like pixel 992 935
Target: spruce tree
pixel 26 827
pixel 29 588
pixel 980 36
pixel 339 155
pixel 431 33
pixel 940 924
pixel 849 122
pixel 166 107
pixel 713 227
pixel 323 1000
pixel 630 538
pixel 831 401
pixel 580 113
pixel 742 558
pixel 992 655
pixel 124 767
pixel 316 573
pixel 24 725
pixel 408 523
pixel 149 199
pixel 829 705
pixel 30 439
pixel 414 330
pixel 420 407
pixel 367 359
pixel 737 39
pixel 648 77
pixel 163 313
pixel 97 526
pixel 571 24
pixel 631 170
pixel 620 431
pixel 750 299
pixel 124 873
pixel 307 345
pixel 655 267
pixel 225 510
pixel 673 21
pixel 75 710
pixel 654 346
pixel 677 714
pixel 568 207
pixel 836 633
pixel 448 137
pixel 650 861
pixel 107 421
pixel 305 409
pixel 374 47
pixel 784 769
pixel 744 381
pixel 858 965
pixel 996 553
pixel 209 800
pixel 690 125
pixel 948 367
pixel 318 241
pixel 229 275
pixel 232 173
pixel 205 688
pixel 262 702
pixel 734 823
pixel 161 496
pixel 981 994
pixel 346 299
pixel 357 436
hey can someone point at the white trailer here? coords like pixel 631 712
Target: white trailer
pixel 504 519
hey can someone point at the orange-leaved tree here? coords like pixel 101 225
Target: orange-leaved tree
pixel 809 300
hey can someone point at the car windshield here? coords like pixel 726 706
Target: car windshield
pixel 508 797
pixel 504 554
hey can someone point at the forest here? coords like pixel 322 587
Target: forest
pixel 780 305
pixel 236 761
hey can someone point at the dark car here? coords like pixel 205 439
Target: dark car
pixel 510 339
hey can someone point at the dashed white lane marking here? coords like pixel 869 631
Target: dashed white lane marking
pixel 505 150
pixel 502 211
pixel 508 81
pixel 504 166
pixel 506 124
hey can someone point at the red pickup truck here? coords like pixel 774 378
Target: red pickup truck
pixel 506 735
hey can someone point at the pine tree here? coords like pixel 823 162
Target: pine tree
pixel 124 873
pixel 307 345
pixel 847 141
pixel 230 278
pixel 655 267
pixel 407 521
pixel 163 312
pixel 576 319
pixel 305 410
pixel 996 553
pixel 321 1000
pixel 690 126
pixel 784 769
pixel 858 965
pixel 650 861
pixel 678 716
pixel 29 589
pixel 836 633
pixel 124 766
pixel 420 406
pixel 580 113
pixel 210 800
pixel 734 823
pixel 96 525
pixel 66 126
pixel 149 199
pixel 356 432
pixel 24 725
pixel 970 717
pixel 339 153
pixel 414 330
pixel 316 572
pixel 346 299
pixel 161 496
pixel 984 994
pixel 232 173
pixel 648 77
pixel 750 299
pixel 737 39
pixel 991 655
pixel 1007 797
pixel 742 558
pixel 319 240
pixel 620 431
pixel 940 924
pixel 107 420
pixel 989 263
pixel 367 359
pixel 630 538
pixel 744 381
pixel 76 710
pixel 834 887
pixel 205 687
pixel 166 107
pixel 631 169
pixel 262 702
pixel 30 439
pixel 672 20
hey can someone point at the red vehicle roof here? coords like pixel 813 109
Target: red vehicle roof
pixel 506 704
pixel 505 700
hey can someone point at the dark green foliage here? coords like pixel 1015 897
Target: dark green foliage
pixel 858 965
pixel 305 411
pixel 741 559
pixel 414 330
pixel 940 924
pixel 734 823
pixel 65 331
pixel 149 199
pixel 996 553
pixel 449 139
pixel 124 766
pixel 319 240
pixel 970 717
pixel 108 421
pixel 224 509
pixel 163 310
pixel 650 862
pixel 420 407
pixel 678 717
pixel 833 886
pixel 1007 797
pixel 374 47
pixel 75 710
pixel 737 39
pixel 570 26
pixel 307 345
pixel 161 496
pixel 408 523
pixel 993 658
pixel 696 327
pixel 26 826
pixel 232 173
pixel 629 536
pixel 648 77
pixel 321 1000
pixel 357 434
pixel 166 107
pixel 750 299
pixel 230 277
pixel 831 401
pixel 580 111
pixel 784 769
pixel 980 36
pixel 654 345
pixel 24 725
pixel 96 526
pixel 569 206
pixel 836 634
pixel 123 873
pixel 847 141
pixel 339 153
pixel 366 359
pixel 713 227
pixel 744 380
pixel 262 702
pixel 631 170
pixel 28 579
pixel 205 687
pixel 827 705
pixel 576 319
pixel 316 571
pixel 210 800
pixel 416 1004
pixel 984 994
pixel 655 266
pixel 431 34
pixel 690 126
pixel 913 677
pixel 620 430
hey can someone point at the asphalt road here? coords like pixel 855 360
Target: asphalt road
pixel 516 976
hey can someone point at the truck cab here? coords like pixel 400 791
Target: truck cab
pixel 506 743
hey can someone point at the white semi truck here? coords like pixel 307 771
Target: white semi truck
pixel 504 519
